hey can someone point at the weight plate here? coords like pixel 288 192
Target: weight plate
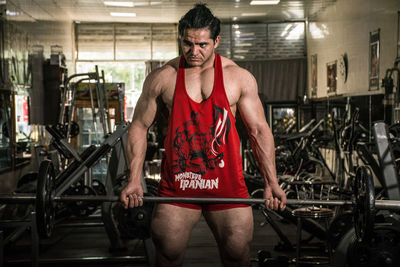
pixel 82 208
pixel 45 209
pixel 364 210
pixel 135 222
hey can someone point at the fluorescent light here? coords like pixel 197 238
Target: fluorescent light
pixel 118 14
pixel 265 2
pixel 123 4
pixel 141 3
pixel 12 13
pixel 253 14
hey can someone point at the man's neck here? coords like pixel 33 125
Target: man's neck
pixel 209 63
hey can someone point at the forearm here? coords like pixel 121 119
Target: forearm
pixel 263 148
pixel 136 151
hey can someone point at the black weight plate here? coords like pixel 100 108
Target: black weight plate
pixel 45 209
pixel 135 222
pixel 82 208
pixel 364 209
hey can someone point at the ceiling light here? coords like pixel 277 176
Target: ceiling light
pixel 12 13
pixel 119 14
pixel 234 18
pixel 265 2
pixel 141 3
pixel 122 4
pixel 253 14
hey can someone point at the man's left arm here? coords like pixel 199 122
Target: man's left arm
pixel 262 140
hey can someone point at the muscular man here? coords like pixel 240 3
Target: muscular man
pixel 202 91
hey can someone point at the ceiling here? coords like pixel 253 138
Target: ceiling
pixel 161 11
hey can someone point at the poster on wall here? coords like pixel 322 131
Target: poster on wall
pixel 314 74
pixel 331 71
pixel 374 60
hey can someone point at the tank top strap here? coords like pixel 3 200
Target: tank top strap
pixel 180 78
pixel 181 62
pixel 219 79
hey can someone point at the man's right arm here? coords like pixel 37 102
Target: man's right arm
pixel 143 117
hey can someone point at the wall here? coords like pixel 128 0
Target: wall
pixel 49 33
pixel 345 28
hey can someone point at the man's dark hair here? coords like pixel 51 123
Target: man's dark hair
pixel 200 17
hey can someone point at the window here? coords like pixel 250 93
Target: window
pixel 121 50
pixel 126 41
pixel 130 73
pixel 262 41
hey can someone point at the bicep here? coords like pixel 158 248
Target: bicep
pixel 146 106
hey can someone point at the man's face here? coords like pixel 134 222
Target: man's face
pixel 198 46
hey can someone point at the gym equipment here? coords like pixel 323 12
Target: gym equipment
pixel 389 172
pixel 46 197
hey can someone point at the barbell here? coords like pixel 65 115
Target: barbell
pixel 364 203
pixel 29 198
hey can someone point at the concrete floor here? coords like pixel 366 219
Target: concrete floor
pixel 90 247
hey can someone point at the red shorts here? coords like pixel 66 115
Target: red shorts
pixel 209 207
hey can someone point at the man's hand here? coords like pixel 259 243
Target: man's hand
pixel 132 195
pixel 276 197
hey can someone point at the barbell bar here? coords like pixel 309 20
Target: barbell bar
pixel 363 201
pixel 29 198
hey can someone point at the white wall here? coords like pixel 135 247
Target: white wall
pixel 345 28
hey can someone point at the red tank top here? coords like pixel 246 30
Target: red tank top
pixel 202 147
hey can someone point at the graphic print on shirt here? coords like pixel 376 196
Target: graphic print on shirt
pixel 199 148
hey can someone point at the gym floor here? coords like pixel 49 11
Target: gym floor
pixel 90 247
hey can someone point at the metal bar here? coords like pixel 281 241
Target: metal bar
pixel 380 204
pixel 193 200
pixel 77 259
pixel 14 199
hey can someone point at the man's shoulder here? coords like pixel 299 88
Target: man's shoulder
pixel 168 68
pixel 165 73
